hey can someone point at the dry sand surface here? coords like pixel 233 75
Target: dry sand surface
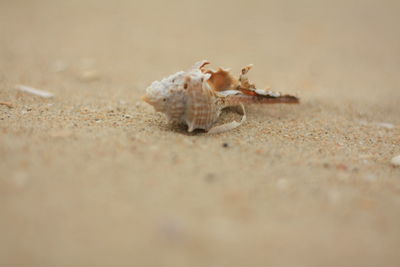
pixel 94 177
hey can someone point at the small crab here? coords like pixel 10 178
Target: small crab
pixel 197 96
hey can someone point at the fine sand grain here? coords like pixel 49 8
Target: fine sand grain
pixel 94 177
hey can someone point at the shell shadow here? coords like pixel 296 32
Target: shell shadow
pixel 182 129
pixel 227 115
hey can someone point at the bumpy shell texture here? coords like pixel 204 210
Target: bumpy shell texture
pixel 197 96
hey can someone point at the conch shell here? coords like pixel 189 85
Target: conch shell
pixel 197 96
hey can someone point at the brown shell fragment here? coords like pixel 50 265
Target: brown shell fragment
pixel 222 80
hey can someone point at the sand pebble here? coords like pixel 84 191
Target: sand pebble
pixel 395 161
pixel 33 91
pixel 7 104
pixel 342 167
pixel 385 125
pixel 26 110
pixel 89 75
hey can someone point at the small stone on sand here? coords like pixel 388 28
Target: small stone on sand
pixel 89 76
pixel 7 104
pixel 33 91
pixel 385 125
pixel 395 161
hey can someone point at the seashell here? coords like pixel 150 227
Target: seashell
pixel 197 96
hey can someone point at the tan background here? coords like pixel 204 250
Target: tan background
pixel 93 177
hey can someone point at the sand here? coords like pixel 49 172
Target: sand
pixel 94 177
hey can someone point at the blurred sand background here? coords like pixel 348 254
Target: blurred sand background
pixel 94 177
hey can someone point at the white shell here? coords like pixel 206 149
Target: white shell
pixel 186 97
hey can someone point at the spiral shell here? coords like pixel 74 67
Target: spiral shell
pixel 197 96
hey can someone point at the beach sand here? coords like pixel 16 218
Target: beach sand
pixel 94 177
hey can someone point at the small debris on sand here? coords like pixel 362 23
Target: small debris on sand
pixel 89 76
pixel 33 91
pixel 395 161
pixel 385 125
pixel 342 167
pixel 7 104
